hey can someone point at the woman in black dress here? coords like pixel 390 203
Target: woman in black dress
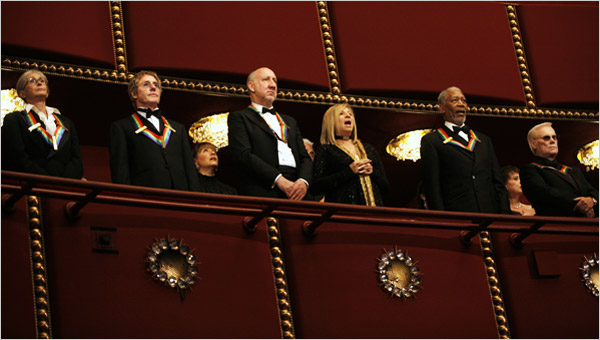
pixel 345 169
pixel 39 139
pixel 207 162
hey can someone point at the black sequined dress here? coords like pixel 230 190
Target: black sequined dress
pixel 333 177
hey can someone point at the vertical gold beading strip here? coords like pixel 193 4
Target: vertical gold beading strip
pixel 328 47
pixel 281 285
pixel 41 303
pixel 118 35
pixel 494 285
pixel 513 21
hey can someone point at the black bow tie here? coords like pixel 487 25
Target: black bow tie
pixel 271 110
pixel 464 129
pixel 149 112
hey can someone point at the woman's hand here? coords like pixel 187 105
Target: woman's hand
pixel 362 167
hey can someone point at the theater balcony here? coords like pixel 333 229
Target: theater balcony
pixel 85 259
pixel 93 259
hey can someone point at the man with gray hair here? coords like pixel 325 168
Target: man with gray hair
pixel 458 165
pixel 552 188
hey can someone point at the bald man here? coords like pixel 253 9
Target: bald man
pixel 268 145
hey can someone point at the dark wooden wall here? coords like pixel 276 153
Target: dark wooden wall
pixel 517 64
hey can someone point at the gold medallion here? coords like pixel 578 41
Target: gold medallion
pixel 398 273
pixel 172 263
pixel 589 273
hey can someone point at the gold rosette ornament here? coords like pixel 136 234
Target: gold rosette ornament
pixel 398 274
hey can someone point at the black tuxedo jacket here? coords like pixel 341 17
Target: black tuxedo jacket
pixel 551 192
pixel 27 151
pixel 254 147
pixel 137 160
pixel 457 179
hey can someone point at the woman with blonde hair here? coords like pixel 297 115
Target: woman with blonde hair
pixel 345 169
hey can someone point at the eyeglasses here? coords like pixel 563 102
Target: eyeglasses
pixel 33 80
pixel 547 138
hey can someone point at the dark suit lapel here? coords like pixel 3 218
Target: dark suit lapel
pixel 549 168
pixel 565 177
pixel 577 180
pixel 456 138
pixel 36 135
pixel 255 118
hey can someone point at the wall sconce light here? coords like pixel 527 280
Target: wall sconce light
pixel 406 146
pixel 588 155
pixel 211 129
pixel 11 102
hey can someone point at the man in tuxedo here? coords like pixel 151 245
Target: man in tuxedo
pixel 146 149
pixel 552 188
pixel 267 145
pixel 458 165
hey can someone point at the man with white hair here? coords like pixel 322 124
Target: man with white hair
pixel 458 165
pixel 552 188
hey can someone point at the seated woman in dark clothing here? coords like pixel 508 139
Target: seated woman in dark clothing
pixel 39 139
pixel 345 169
pixel 510 175
pixel 207 162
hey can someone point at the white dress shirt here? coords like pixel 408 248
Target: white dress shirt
pixel 284 153
pixel 152 119
pixel 48 121
pixel 460 133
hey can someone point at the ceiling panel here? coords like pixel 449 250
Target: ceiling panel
pixel 561 43
pixel 228 39
pixel 417 49
pixel 68 31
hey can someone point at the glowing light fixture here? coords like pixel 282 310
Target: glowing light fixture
pixel 588 155
pixel 11 102
pixel 211 129
pixel 407 146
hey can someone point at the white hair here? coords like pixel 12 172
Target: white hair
pixel 532 134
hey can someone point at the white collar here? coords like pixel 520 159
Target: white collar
pixel 260 107
pixel 49 109
pixel 451 125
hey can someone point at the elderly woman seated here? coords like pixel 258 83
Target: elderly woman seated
pixel 39 139
pixel 207 163
pixel 510 175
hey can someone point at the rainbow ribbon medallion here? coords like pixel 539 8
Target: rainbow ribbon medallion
pixel 53 140
pixel 470 146
pixel 282 124
pixel 563 168
pixel 160 140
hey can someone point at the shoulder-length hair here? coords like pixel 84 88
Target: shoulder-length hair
pixel 330 119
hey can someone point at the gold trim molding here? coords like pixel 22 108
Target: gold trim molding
pixel 118 36
pixel 494 285
pixel 316 97
pixel 281 284
pixel 513 21
pixel 41 306
pixel 65 70
pixel 329 48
